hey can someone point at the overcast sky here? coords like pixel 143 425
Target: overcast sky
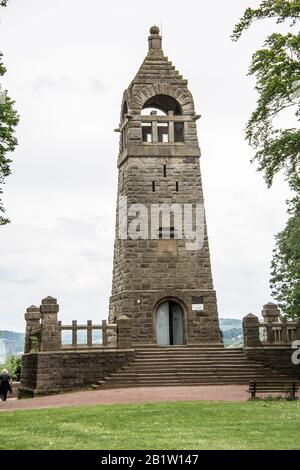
pixel 68 63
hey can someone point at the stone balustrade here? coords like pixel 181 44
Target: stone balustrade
pixel 45 333
pixel 272 331
pixel 108 333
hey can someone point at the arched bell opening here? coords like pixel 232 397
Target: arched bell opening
pixel 162 120
pixel 164 103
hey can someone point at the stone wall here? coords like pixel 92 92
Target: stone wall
pixel 46 373
pixel 279 358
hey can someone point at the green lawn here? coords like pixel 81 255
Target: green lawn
pixel 167 426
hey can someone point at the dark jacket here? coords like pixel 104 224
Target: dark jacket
pixel 5 383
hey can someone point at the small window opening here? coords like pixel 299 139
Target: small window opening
pixel 164 232
pixel 153 186
pixel 165 171
pixel 163 132
pixel 177 186
pixel 178 132
pixel 147 132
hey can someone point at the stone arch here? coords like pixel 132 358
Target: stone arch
pixel 124 106
pixel 182 305
pixel 181 95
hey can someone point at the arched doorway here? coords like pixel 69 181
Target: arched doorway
pixel 169 324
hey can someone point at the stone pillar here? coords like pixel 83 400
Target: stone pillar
pixel 32 317
pixel 124 332
pixel 171 128
pixel 270 313
pixel 154 128
pixel 51 335
pixel 298 329
pixel 284 332
pixel 269 334
pixel 251 331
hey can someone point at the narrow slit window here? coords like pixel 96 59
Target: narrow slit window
pixel 147 132
pixel 165 233
pixel 177 186
pixel 179 132
pixel 163 132
pixel 165 171
pixel 153 186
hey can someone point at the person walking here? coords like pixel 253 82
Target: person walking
pixel 5 384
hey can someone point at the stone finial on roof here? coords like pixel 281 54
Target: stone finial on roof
pixel 154 38
pixel 154 29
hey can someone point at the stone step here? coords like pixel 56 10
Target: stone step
pixel 184 365
pixel 191 352
pixel 185 354
pixel 200 347
pixel 168 383
pixel 191 369
pixel 179 361
pixel 190 363
pixel 196 380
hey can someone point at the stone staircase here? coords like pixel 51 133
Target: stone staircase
pixel 189 365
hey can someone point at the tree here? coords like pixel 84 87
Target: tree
pixel 285 268
pixel 8 121
pixel 13 365
pixel 277 70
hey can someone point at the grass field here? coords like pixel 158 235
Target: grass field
pixel 166 426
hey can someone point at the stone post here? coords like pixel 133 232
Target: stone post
pixel 297 333
pixel 171 128
pixel 124 332
pixel 51 335
pixel 269 334
pixel 32 317
pixel 271 314
pixel 284 332
pixel 251 331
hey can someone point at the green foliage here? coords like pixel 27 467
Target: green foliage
pixel 285 274
pixel 277 71
pixel 35 345
pixel 13 365
pixel 280 9
pixel 8 121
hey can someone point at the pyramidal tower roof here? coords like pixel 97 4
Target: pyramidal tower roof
pixel 157 76
pixel 156 64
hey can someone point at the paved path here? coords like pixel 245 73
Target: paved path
pixel 130 395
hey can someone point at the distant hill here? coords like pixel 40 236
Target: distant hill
pixel 10 343
pixel 13 343
pixel 232 332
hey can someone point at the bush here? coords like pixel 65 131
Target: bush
pixel 13 365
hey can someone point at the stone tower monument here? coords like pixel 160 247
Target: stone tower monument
pixel 162 276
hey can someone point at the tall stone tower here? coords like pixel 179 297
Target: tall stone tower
pixel 161 279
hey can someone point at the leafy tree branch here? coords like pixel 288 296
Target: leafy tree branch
pixel 8 121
